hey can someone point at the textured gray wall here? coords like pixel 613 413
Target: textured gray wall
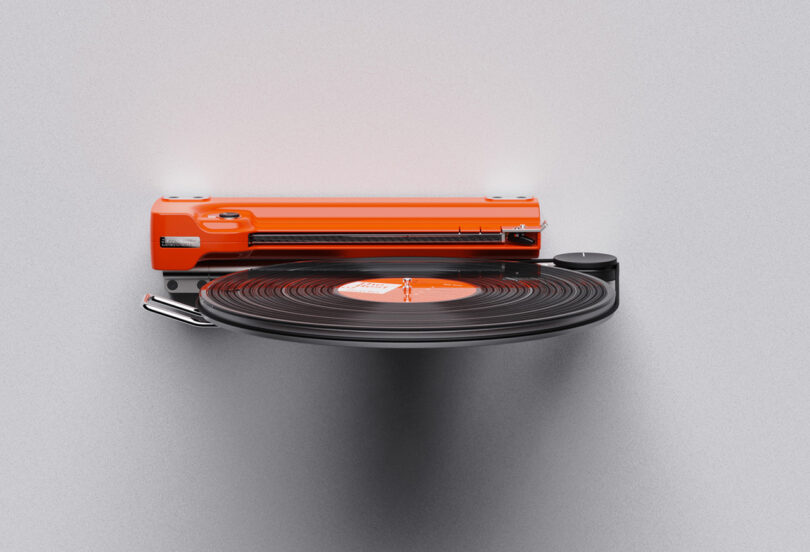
pixel 673 136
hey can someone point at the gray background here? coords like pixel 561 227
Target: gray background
pixel 672 135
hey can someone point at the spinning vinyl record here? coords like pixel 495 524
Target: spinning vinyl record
pixel 406 301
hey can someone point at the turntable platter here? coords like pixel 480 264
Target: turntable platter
pixel 406 302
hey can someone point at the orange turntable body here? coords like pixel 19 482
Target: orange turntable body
pixel 192 231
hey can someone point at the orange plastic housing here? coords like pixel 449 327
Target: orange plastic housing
pixel 190 232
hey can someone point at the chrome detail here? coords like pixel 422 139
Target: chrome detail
pixel 180 241
pixel 176 310
pixel 522 228
pixel 186 197
pixel 509 198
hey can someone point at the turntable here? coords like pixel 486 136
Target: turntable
pixel 375 272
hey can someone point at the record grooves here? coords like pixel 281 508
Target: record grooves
pixel 512 300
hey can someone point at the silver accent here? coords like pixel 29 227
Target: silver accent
pixel 192 242
pixel 176 310
pixel 509 198
pixel 186 197
pixel 525 229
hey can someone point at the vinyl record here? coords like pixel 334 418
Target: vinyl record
pixel 406 301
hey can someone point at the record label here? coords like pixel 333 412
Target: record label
pixel 407 290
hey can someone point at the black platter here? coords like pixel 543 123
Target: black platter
pixel 514 300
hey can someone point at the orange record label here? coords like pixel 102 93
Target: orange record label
pixel 407 290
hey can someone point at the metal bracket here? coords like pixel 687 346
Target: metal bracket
pixel 176 310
